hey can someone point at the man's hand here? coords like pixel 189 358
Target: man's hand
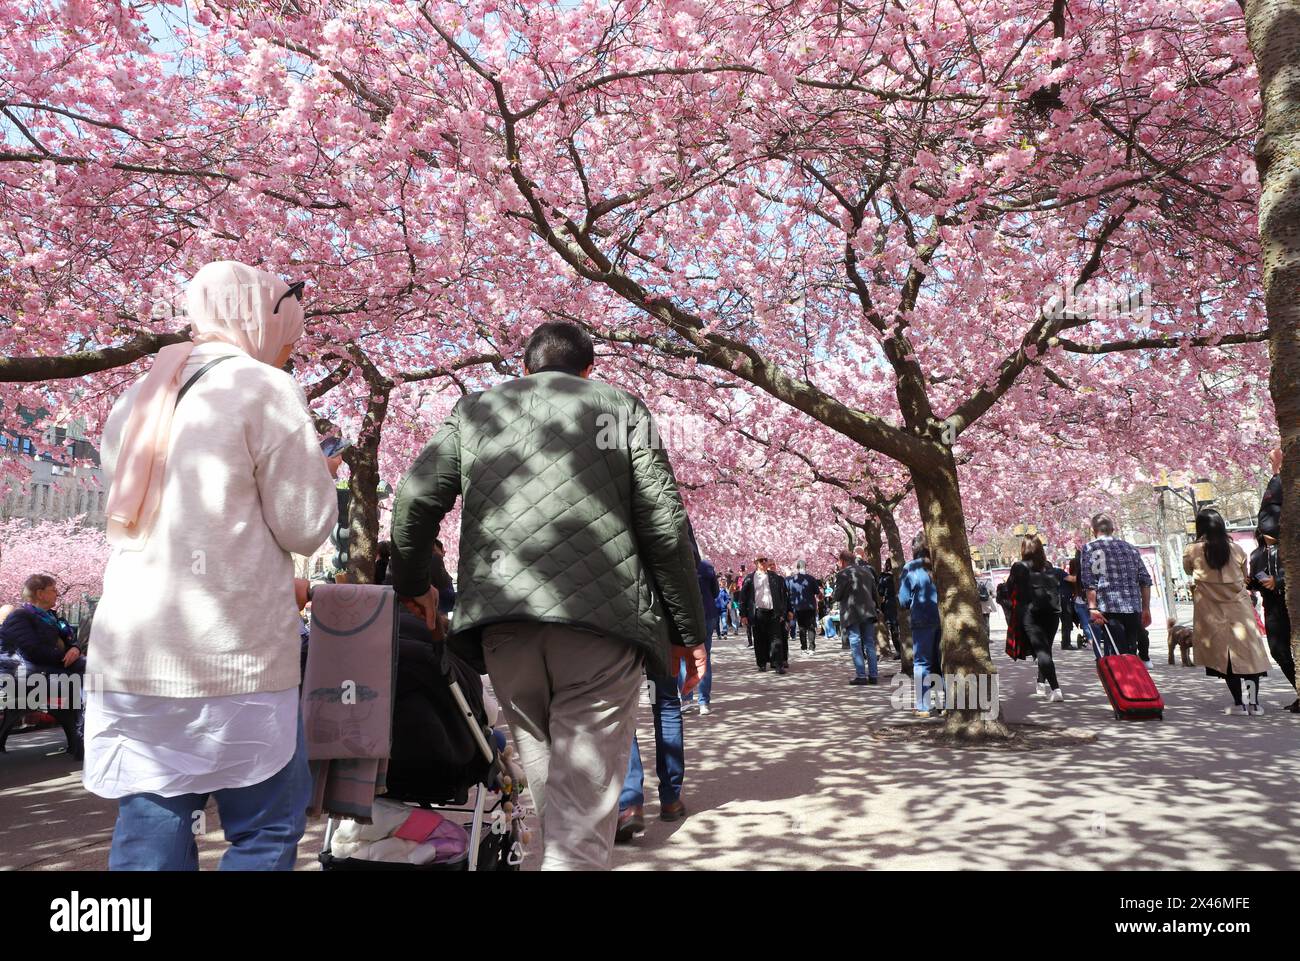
pixel 697 662
pixel 1268 583
pixel 744 621
pixel 71 656
pixel 1097 617
pixel 425 606
pixel 1146 617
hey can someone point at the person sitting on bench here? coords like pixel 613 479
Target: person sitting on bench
pixel 47 645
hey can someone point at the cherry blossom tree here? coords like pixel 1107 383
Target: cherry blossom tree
pixel 952 234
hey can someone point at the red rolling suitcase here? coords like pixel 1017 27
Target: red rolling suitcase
pixel 1132 693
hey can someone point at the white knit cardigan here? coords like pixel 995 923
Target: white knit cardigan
pixel 206 608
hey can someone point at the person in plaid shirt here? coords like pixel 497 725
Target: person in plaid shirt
pixel 1118 588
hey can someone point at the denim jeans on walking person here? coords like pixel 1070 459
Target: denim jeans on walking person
pixel 1081 615
pixel 925 659
pixel 263 823
pixel 861 636
pixel 670 754
pixel 706 682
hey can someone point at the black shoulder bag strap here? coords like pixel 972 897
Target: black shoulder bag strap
pixel 199 373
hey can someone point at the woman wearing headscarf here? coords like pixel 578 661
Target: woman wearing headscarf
pixel 1223 617
pixel 216 476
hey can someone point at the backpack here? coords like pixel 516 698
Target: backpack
pixel 984 592
pixel 1045 591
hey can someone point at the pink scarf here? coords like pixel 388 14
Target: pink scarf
pixel 227 302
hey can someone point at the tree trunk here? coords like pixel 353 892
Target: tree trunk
pixel 363 462
pixel 964 645
pixel 1273 28
pixel 363 515
pixel 872 534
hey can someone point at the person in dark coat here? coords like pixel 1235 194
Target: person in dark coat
pixel 805 590
pixel 1036 597
pixel 765 605
pixel 1270 505
pixel 889 605
pixel 47 645
pixel 1066 592
pixel 857 593
pixel 1268 578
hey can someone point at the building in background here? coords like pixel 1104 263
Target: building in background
pixel 49 475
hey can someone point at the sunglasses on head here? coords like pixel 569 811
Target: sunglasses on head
pixel 294 291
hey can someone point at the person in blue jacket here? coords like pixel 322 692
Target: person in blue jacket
pixel 917 592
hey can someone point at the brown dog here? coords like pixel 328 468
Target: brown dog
pixel 1180 635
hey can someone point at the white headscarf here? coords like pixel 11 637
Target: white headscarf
pixel 227 302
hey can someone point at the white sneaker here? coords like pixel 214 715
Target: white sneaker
pixel 1148 665
pixel 704 710
pixel 1256 709
pixel 1235 709
pixel 1056 696
pixel 1042 689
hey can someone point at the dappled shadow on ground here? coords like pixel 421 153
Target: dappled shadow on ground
pixel 791 772
pixel 787 774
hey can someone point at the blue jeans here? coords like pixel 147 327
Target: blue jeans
pixel 263 823
pixel 860 636
pixel 670 752
pixel 925 656
pixel 706 682
pixel 1081 615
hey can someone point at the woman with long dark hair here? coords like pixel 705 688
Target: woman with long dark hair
pixel 1223 621
pixel 1036 610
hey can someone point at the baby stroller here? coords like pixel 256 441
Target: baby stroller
pixel 446 758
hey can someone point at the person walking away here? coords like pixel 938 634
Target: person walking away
pixel 857 593
pixel 723 604
pixel 918 594
pixel 1118 588
pixel 710 591
pixel 1036 590
pixel 1267 577
pixel 216 478
pixel 1066 600
pixel 804 590
pixel 1079 601
pixel 575 569
pixel 1224 634
pixel 766 602
pixel 667 707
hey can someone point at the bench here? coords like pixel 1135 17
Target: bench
pixel 15 718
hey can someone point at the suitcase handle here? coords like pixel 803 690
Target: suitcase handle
pixel 1104 626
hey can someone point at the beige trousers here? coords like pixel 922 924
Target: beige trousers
pixel 570 697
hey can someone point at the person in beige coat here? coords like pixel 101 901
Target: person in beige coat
pixel 1223 626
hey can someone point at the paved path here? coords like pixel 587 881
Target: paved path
pixel 786 774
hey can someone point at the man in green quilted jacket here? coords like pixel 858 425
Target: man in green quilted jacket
pixel 575 571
